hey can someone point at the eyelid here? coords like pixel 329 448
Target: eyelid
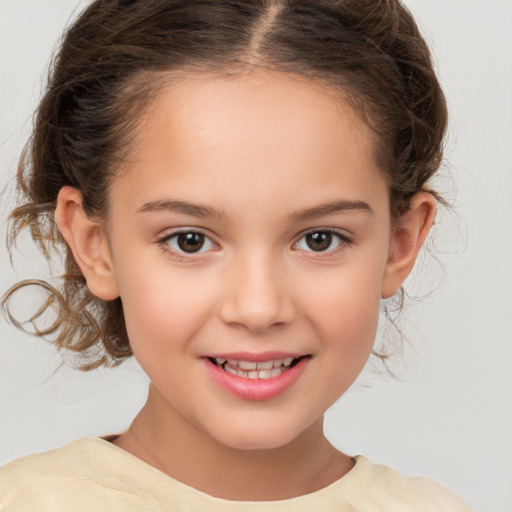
pixel 163 242
pixel 345 240
pixel 170 232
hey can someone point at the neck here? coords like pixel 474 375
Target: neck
pixel 169 442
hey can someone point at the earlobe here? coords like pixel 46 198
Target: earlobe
pixel 88 242
pixel 407 240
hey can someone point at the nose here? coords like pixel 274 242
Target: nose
pixel 257 295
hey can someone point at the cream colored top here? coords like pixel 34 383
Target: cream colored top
pixel 93 475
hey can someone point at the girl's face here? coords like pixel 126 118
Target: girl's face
pixel 251 233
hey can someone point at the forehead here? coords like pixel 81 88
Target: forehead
pixel 250 104
pixel 260 132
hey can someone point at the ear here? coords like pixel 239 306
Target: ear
pixel 406 242
pixel 88 243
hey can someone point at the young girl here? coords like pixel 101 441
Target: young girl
pixel 235 186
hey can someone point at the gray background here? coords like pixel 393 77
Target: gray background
pixel 449 416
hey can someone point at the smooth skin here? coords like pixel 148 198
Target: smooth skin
pixel 248 166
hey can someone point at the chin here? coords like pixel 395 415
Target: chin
pixel 257 436
pixel 258 443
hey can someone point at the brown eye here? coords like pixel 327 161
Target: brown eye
pixel 190 242
pixel 324 240
pixel 319 241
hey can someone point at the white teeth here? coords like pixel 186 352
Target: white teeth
pixel 261 374
pixel 252 365
pixel 230 370
pixel 247 365
pixel 267 365
pixel 255 370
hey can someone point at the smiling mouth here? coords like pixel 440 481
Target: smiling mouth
pixel 256 370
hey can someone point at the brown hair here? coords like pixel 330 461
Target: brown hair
pixel 119 53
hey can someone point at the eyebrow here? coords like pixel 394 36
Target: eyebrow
pixel 197 210
pixel 183 207
pixel 332 207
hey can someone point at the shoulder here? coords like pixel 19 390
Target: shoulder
pixel 62 479
pixel 377 488
pixel 35 470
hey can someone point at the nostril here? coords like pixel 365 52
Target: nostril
pixel 256 317
pixel 256 295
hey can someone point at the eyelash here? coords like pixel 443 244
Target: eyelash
pixel 343 239
pixel 181 255
pixel 164 243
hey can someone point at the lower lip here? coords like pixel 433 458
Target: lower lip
pixel 256 389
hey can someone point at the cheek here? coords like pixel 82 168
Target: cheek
pixel 345 309
pixel 163 309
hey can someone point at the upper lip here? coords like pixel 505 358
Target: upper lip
pixel 254 357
